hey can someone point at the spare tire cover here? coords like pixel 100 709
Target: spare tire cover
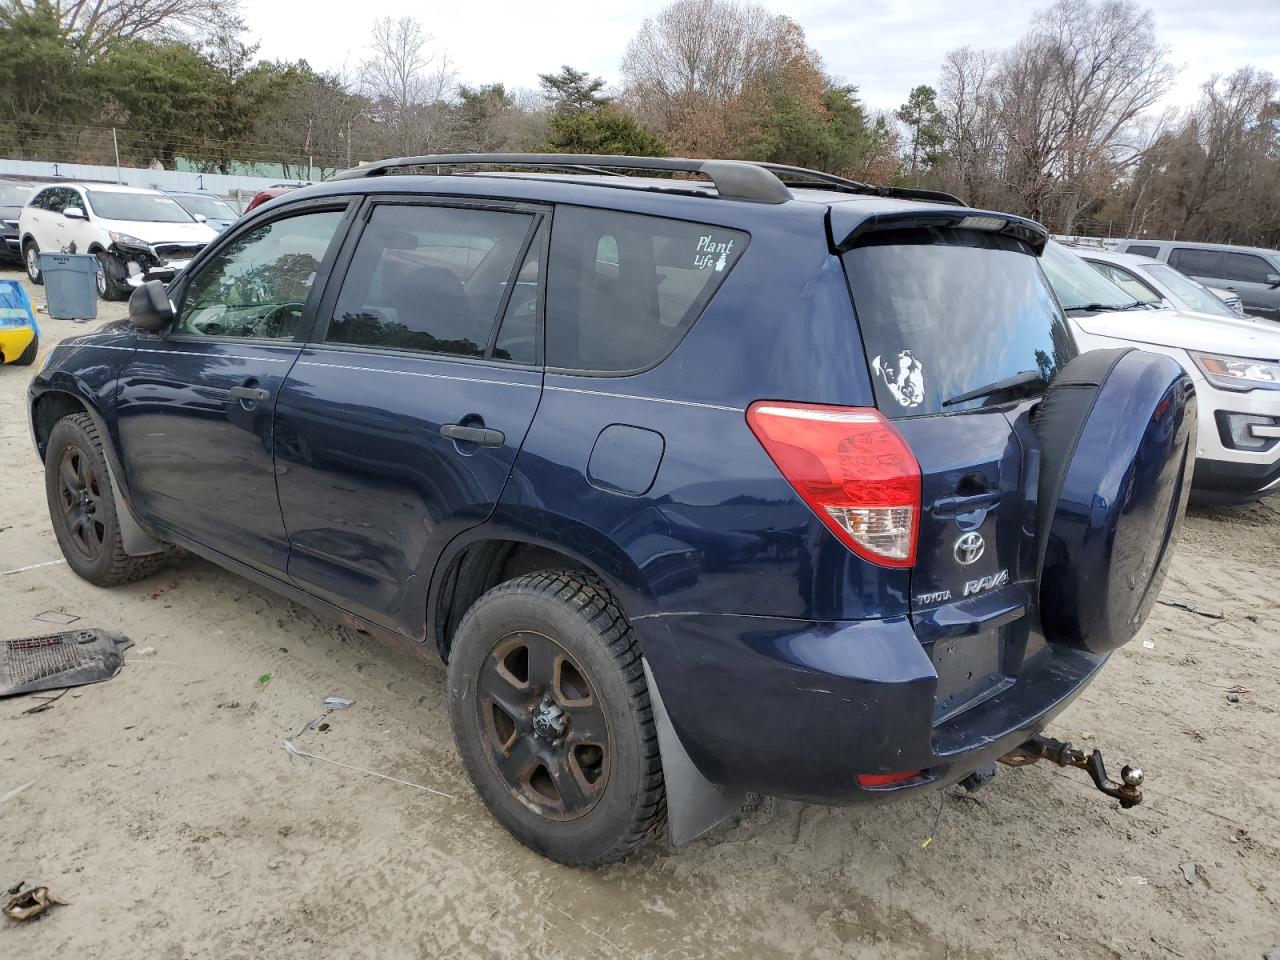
pixel 1117 430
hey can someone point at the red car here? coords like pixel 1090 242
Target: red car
pixel 270 193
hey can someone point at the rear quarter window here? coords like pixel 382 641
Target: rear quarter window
pixel 943 312
pixel 623 288
pixel 1139 250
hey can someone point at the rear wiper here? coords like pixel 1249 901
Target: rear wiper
pixel 1019 382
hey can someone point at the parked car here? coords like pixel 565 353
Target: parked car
pixel 682 521
pixel 270 193
pixel 1234 363
pixel 14 193
pixel 136 234
pixel 1252 273
pixel 207 208
pixel 1158 284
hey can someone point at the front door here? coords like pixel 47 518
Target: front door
pixel 400 422
pixel 195 405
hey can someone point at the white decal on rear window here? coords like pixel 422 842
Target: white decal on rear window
pixel 708 248
pixel 905 379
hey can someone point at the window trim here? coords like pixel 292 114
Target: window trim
pixel 178 291
pixel 613 374
pixel 538 213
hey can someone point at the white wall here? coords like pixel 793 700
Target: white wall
pixel 239 190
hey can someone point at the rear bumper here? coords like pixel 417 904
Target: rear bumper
pixel 799 710
pixel 13 341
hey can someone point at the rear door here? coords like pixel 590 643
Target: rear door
pixel 399 424
pixel 944 313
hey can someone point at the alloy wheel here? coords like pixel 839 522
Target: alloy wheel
pixel 33 262
pixel 80 499
pixel 545 728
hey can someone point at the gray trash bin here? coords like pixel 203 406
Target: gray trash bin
pixel 70 285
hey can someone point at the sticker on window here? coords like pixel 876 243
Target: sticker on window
pixel 905 380
pixel 712 253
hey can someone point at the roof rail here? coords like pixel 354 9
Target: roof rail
pixel 845 185
pixel 733 179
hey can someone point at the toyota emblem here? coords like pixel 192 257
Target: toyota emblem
pixel 969 548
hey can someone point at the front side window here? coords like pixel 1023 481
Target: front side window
pixel 1197 263
pixel 144 207
pixel 1127 282
pixel 257 285
pixel 1247 268
pixel 52 200
pixel 943 312
pixel 428 278
pixel 624 289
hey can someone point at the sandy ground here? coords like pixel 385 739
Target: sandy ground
pixel 166 812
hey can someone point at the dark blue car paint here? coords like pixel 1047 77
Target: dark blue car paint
pixel 787 663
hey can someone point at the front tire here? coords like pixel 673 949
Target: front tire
pixel 31 258
pixel 110 270
pixel 551 716
pixel 83 509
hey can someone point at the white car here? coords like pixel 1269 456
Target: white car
pixel 1160 285
pixel 136 234
pixel 1234 363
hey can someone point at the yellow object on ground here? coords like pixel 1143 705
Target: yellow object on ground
pixel 13 341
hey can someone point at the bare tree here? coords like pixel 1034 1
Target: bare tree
pixel 410 84
pixel 97 22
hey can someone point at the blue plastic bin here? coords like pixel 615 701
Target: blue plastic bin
pixel 70 285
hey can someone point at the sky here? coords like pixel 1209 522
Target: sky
pixel 883 47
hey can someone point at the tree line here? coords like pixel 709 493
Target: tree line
pixel 1065 126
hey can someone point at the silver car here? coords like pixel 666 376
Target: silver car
pixel 1252 273
pixel 1157 284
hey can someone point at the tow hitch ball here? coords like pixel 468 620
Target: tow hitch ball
pixel 1128 791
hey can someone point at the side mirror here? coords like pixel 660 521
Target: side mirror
pixel 1273 279
pixel 150 308
pixel 201 218
pixel 75 213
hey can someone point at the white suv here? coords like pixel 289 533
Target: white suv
pixel 1234 363
pixel 136 234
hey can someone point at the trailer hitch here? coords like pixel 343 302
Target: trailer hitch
pixel 1128 791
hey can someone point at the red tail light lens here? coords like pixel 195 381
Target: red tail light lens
pixel 853 470
pixel 885 779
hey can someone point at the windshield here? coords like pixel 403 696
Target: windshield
pixel 14 194
pixel 1197 298
pixel 946 312
pixel 210 207
pixel 147 207
pixel 1077 284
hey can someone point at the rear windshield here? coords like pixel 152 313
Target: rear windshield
pixel 210 207
pixel 944 312
pixel 14 194
pixel 147 207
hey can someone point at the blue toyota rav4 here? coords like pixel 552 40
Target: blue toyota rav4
pixel 727 477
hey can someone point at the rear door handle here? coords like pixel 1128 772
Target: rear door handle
pixel 249 393
pixel 481 436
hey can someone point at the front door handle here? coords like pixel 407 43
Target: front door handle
pixel 481 436
pixel 252 394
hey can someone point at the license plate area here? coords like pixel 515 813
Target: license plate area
pixel 969 671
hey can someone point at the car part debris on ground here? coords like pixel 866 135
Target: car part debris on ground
pixel 28 904
pixel 56 616
pixel 52 661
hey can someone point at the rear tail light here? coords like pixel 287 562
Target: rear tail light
pixel 853 470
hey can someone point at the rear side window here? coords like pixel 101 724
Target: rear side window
pixel 624 288
pixel 1247 268
pixel 1197 263
pixel 944 312
pixel 428 278
pixel 1138 250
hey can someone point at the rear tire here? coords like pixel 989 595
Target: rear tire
pixel 28 356
pixel 569 762
pixel 83 509
pixel 31 259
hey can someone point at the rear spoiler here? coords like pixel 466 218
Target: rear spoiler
pixel 848 228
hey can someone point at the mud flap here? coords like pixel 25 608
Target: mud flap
pixel 694 803
pixel 1118 436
